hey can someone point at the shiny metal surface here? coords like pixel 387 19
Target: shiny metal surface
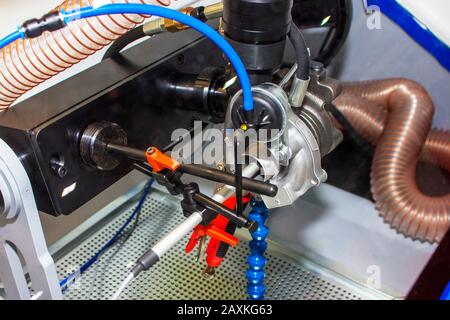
pixel 304 170
pixel 179 276
pixel 298 92
pixel 407 110
pixel 369 119
pixel 214 11
pixel 94 141
pixel 321 92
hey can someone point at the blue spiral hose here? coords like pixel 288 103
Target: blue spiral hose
pixel 258 246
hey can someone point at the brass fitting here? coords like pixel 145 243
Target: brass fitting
pixel 214 11
pixel 168 25
pixel 174 26
pixel 154 27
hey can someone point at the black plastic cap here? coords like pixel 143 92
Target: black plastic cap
pixel 145 262
pixel 257 21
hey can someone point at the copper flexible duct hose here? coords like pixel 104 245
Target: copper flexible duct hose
pixel 369 118
pixel 437 149
pixel 396 115
pixel 26 63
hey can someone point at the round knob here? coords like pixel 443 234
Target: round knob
pixel 94 141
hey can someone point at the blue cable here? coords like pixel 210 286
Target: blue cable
pixel 146 9
pixel 65 283
pixel 11 38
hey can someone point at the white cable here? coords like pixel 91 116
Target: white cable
pixel 169 241
pixel 122 287
pixel 37 295
pixel 187 226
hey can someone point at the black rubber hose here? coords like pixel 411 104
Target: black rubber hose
pixel 337 36
pixel 301 52
pixel 128 38
pixel 138 33
pixel 351 132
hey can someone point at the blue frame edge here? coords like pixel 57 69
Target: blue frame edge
pixel 411 26
pixel 446 293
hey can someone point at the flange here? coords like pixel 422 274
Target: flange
pixel 93 144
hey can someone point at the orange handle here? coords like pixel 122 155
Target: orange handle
pixel 222 236
pixel 159 161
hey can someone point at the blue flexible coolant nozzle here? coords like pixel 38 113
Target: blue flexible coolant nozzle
pixel 256 261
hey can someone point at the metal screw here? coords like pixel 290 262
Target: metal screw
pixel 57 164
pixel 316 66
pixel 151 150
pixel 221 167
pixel 180 59
pixel 61 172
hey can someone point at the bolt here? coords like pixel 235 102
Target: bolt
pixel 180 59
pixel 316 66
pixel 151 151
pixel 61 172
pixel 221 167
pixel 57 164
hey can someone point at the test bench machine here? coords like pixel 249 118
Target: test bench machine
pixel 254 173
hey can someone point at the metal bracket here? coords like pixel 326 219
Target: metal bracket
pixel 23 249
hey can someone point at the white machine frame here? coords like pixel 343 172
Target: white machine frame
pixel 23 249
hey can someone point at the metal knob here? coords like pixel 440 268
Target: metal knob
pixel 94 141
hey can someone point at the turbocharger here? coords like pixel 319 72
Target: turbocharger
pixel 287 142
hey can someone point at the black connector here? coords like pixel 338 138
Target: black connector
pixel 52 21
pixel 199 13
pixel 145 262
pixel 250 121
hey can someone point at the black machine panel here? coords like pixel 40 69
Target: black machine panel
pixel 130 91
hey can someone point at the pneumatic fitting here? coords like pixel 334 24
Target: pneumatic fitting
pixel 33 28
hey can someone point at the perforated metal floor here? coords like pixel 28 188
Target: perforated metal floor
pixel 177 275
